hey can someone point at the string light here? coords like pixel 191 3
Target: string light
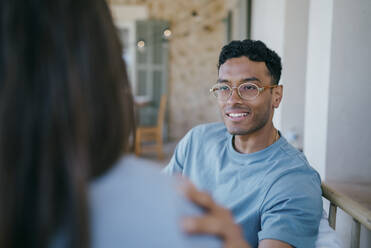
pixel 167 33
pixel 141 44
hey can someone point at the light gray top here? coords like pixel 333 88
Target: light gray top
pixel 133 205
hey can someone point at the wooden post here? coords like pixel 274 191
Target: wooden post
pixel 355 236
pixel 332 215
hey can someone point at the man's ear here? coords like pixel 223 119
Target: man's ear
pixel 277 96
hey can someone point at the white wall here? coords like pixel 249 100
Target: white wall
pixel 349 138
pixel 239 19
pixel 337 114
pixel 349 134
pixel 124 13
pixel 268 25
pixel 317 83
pixel 294 61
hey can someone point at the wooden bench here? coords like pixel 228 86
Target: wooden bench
pixel 354 199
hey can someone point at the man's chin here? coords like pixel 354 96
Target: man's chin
pixel 237 131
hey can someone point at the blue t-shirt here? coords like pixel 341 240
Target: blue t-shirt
pixel 273 193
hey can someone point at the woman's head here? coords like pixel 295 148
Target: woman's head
pixel 66 113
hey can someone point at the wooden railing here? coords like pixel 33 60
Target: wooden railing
pixel 354 199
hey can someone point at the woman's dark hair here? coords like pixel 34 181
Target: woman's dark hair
pixel 255 50
pixel 66 114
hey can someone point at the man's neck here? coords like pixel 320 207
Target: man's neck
pixel 255 141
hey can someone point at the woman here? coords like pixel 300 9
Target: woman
pixel 66 115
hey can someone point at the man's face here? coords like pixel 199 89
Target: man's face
pixel 241 116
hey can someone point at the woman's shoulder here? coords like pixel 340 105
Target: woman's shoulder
pixel 134 205
pixel 127 170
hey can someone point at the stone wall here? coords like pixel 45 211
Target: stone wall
pixel 198 35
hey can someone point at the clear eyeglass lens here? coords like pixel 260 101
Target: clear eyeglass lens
pixel 222 91
pixel 248 90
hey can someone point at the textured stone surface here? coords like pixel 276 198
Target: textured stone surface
pixel 194 50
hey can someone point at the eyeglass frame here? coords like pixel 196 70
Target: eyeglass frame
pixel 260 89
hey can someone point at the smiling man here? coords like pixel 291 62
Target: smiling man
pixel 244 162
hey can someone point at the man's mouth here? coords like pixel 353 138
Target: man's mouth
pixel 237 116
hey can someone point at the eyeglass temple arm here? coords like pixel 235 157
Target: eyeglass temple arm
pixel 267 87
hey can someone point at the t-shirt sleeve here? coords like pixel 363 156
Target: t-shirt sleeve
pixel 176 163
pixel 291 210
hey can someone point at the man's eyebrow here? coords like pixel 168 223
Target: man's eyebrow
pixel 249 79
pixel 221 80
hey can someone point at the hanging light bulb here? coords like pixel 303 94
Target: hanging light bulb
pixel 167 33
pixel 141 44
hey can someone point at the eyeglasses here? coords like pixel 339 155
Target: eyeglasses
pixel 247 91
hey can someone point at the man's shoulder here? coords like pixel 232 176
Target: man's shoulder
pixel 291 178
pixel 290 168
pixel 291 158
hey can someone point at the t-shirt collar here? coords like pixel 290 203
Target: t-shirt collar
pixel 255 155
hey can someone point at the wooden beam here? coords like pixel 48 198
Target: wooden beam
pixel 355 235
pixel 332 216
pixel 350 201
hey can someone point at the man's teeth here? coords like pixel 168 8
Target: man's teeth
pixel 237 114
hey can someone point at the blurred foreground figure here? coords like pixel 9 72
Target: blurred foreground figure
pixel 66 114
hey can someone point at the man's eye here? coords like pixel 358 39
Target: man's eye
pixel 223 88
pixel 249 87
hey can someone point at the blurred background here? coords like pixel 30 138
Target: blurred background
pixel 171 48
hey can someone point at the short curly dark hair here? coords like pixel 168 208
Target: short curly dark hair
pixel 255 50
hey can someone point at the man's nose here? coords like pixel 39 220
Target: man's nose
pixel 235 97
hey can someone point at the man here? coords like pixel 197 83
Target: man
pixel 245 163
